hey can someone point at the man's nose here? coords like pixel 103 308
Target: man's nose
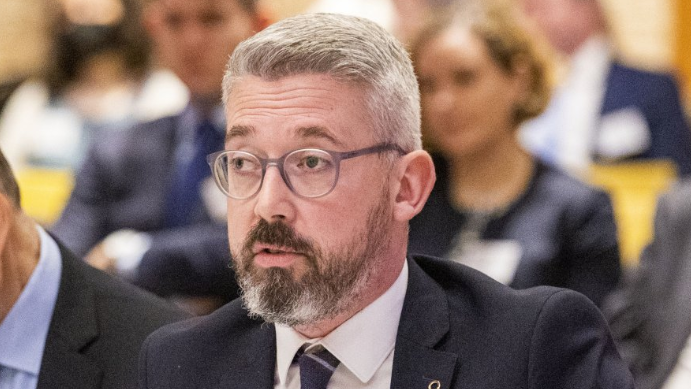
pixel 274 199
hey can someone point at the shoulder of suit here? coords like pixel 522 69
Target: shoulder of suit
pixel 639 76
pixel 110 290
pixel 476 289
pixel 556 184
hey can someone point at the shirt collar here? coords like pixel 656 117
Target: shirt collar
pixel 373 329
pixel 23 332
pixel 590 63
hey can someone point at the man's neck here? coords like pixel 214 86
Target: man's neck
pixel 18 258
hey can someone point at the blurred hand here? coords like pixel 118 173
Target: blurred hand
pixel 97 258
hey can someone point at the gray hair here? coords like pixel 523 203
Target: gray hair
pixel 352 50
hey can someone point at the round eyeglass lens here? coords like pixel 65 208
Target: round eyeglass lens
pixel 241 174
pixel 310 172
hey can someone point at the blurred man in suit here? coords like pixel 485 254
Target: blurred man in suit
pixel 64 324
pixel 603 110
pixel 650 317
pixel 323 170
pixel 139 205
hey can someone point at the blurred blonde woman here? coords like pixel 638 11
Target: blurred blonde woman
pixel 495 207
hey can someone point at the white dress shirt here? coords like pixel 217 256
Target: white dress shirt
pixel 680 378
pixel 364 344
pixel 563 134
pixel 24 330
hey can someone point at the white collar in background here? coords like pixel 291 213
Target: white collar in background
pixel 590 63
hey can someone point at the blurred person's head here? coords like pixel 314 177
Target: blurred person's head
pixel 321 239
pixel 567 24
pixel 97 44
pixel 481 75
pixel 19 241
pixel 195 38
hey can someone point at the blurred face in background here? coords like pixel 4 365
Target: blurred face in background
pixel 194 38
pixel 468 100
pixel 566 24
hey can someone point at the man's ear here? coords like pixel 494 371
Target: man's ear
pixel 7 215
pixel 414 180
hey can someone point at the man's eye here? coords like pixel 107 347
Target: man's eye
pixel 173 21
pixel 312 162
pixel 464 77
pixel 427 85
pixel 241 164
pixel 211 19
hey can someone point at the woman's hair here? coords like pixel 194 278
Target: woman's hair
pixel 504 31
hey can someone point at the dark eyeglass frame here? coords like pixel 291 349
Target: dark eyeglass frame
pixel 337 157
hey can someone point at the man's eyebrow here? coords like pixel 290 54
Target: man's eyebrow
pixel 318 132
pixel 239 131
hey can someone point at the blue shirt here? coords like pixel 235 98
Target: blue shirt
pixel 23 332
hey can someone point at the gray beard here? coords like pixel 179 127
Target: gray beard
pixel 332 284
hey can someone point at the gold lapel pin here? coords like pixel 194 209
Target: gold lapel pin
pixel 434 385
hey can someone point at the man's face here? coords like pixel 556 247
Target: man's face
pixel 565 23
pixel 195 37
pixel 301 260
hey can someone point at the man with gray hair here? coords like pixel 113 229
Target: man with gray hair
pixel 323 169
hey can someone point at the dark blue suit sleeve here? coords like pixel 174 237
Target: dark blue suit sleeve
pixel 193 260
pixel 83 222
pixel 593 249
pixel 671 136
pixel 572 348
pixel 656 95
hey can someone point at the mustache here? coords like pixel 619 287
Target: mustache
pixel 278 234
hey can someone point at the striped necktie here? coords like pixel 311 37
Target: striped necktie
pixel 316 367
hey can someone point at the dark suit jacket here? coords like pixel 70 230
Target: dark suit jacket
pixel 656 96
pixel 123 184
pixel 566 230
pixel 457 326
pixel 651 316
pixel 97 329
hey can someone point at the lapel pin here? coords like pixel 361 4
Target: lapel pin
pixel 434 385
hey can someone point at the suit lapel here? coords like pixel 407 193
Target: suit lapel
pixel 252 360
pixel 73 326
pixel 424 322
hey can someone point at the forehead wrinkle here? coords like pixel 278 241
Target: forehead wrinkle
pixel 283 92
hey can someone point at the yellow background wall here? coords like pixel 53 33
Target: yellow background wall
pixel 682 58
pixel 23 37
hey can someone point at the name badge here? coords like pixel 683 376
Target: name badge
pixel 496 258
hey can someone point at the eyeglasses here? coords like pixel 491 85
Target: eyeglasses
pixel 307 172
